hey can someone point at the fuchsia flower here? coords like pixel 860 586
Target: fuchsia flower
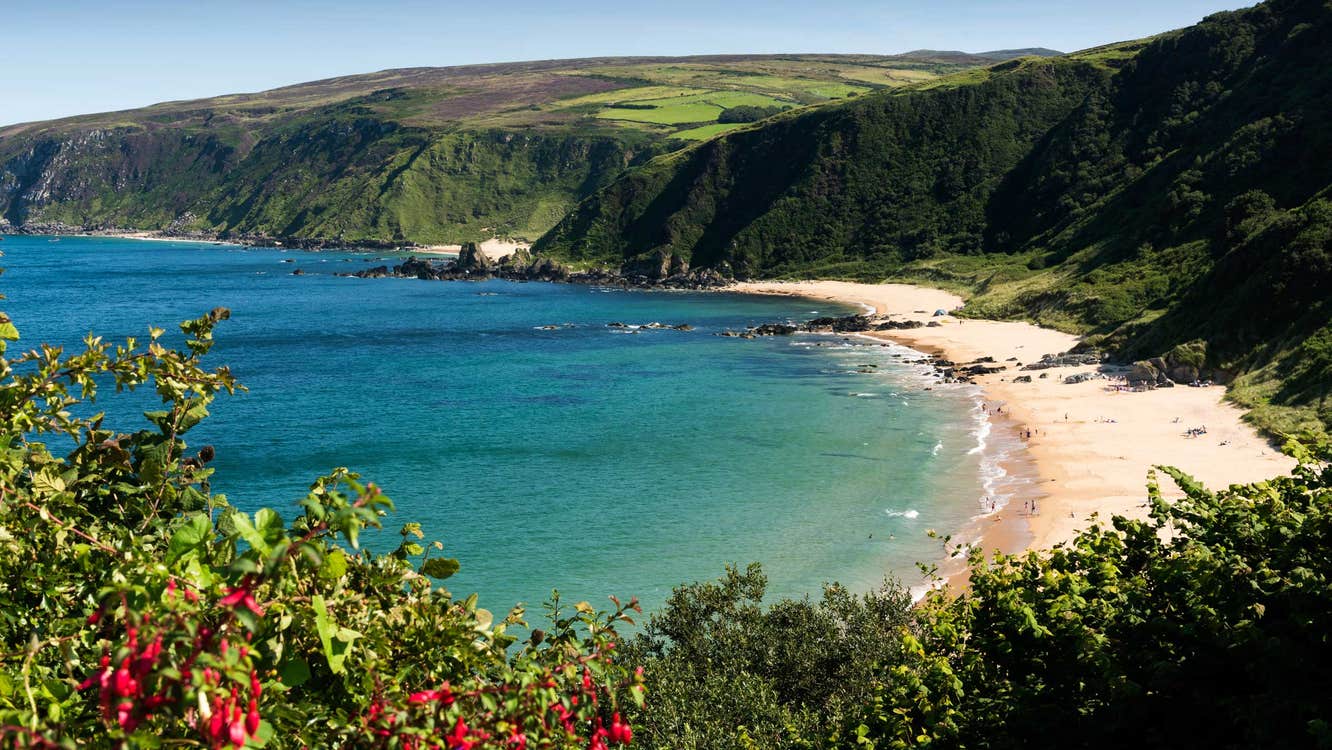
pixel 444 695
pixel 619 731
pixel 242 595
pixel 458 738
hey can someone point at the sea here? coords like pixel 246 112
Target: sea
pixel 546 449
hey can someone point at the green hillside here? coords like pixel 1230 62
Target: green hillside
pixel 422 154
pixel 1169 195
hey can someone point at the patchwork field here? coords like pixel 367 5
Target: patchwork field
pixel 670 97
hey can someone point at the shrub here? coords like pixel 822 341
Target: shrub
pixel 725 671
pixel 139 609
pixel 1203 626
pixel 747 113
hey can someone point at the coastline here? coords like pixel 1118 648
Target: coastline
pixel 494 248
pixel 1091 446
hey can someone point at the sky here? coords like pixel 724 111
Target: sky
pixel 66 57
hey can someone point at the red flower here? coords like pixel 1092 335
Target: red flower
pixel 237 728
pixel 252 718
pixel 443 695
pixel 620 732
pixel 458 738
pixel 242 596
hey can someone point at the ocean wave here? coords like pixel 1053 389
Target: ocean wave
pixel 982 431
pixel 909 513
pixel 937 447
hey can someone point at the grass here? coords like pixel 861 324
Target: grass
pixel 627 95
pixel 884 76
pixel 1254 392
pixel 681 110
pixel 666 113
pixel 836 91
pixel 707 131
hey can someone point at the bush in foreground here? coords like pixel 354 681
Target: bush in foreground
pixel 139 609
pixel 1205 625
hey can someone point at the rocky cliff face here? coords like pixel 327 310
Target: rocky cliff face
pixel 339 179
pixel 129 177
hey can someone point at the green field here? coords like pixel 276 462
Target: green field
pixel 706 131
pixel 690 109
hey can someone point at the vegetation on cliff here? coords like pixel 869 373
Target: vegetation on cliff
pixel 415 155
pixel 1160 196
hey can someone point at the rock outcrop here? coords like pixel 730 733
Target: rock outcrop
pixel 472 264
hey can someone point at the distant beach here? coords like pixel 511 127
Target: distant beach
pixel 495 249
pixel 1090 446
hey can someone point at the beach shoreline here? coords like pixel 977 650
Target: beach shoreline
pixel 494 248
pixel 1090 446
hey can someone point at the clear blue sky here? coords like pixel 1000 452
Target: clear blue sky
pixel 64 57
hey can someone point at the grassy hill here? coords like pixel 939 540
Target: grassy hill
pixel 1163 196
pixel 420 154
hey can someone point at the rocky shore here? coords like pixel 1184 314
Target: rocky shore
pixel 945 369
pixel 664 271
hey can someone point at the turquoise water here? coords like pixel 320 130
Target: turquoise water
pixel 595 461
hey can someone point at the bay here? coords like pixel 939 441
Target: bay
pixel 591 459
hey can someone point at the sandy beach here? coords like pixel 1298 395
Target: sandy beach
pixel 1091 446
pixel 494 248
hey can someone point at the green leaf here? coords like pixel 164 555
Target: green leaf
pixel 294 673
pixel 440 567
pixel 249 533
pixel 153 460
pixel 336 641
pixel 269 523
pixel 189 537
pixel 46 484
pixel 160 418
pixel 334 565
pixel 193 415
